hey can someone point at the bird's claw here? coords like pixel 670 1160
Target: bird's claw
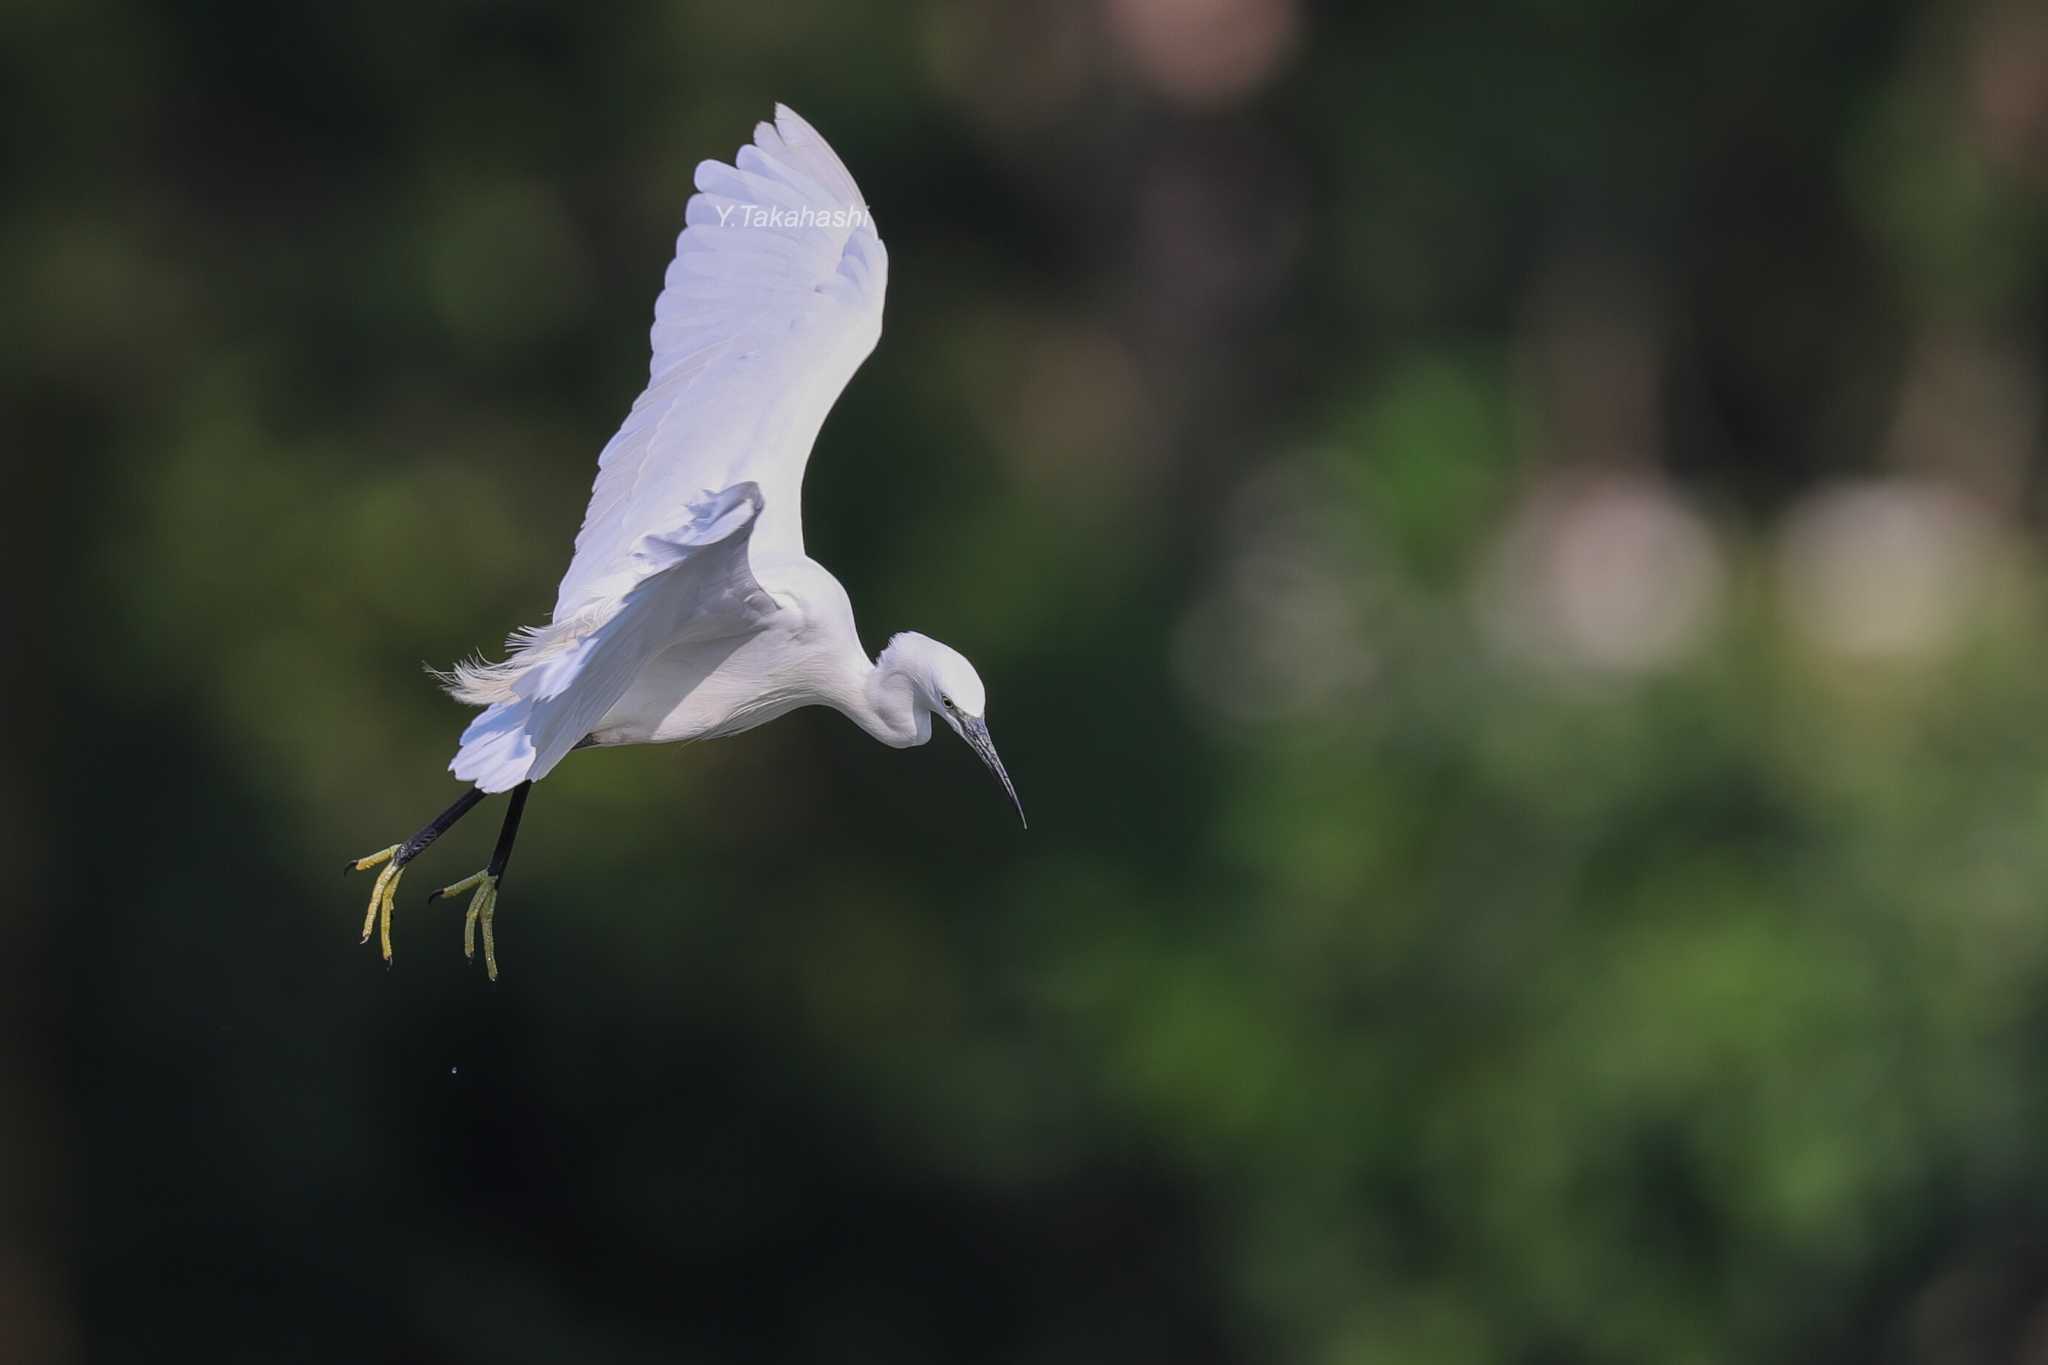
pixel 482 907
pixel 383 895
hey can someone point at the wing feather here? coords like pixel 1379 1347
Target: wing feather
pixel 694 582
pixel 771 303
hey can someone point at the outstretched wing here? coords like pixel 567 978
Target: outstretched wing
pixel 772 302
pixel 692 583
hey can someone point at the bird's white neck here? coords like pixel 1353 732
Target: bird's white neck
pixel 883 702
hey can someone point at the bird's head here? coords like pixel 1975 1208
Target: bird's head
pixel 946 685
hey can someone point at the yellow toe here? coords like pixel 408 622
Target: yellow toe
pixel 482 906
pixel 394 872
pixel 378 893
pixel 490 944
pixel 368 861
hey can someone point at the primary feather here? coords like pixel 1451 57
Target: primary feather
pixel 771 304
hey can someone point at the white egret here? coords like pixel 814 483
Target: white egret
pixel 690 610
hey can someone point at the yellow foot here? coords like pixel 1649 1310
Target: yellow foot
pixel 382 894
pixel 482 906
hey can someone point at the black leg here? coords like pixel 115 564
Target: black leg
pixel 509 831
pixel 432 830
pixel 485 883
pixel 438 826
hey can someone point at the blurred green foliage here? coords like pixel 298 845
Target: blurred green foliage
pixel 1503 541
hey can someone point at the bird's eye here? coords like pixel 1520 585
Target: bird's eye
pixel 947 702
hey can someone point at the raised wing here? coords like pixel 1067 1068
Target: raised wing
pixel 772 302
pixel 693 582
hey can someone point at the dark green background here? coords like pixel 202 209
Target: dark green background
pixel 1504 544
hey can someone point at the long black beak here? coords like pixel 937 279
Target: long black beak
pixel 975 732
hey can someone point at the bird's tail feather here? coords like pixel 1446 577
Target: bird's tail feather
pixel 477 681
pixel 497 751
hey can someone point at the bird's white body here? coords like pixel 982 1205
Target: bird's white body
pixel 721 687
pixel 807 653
pixel 690 609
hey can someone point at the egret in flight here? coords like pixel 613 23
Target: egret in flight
pixel 690 610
